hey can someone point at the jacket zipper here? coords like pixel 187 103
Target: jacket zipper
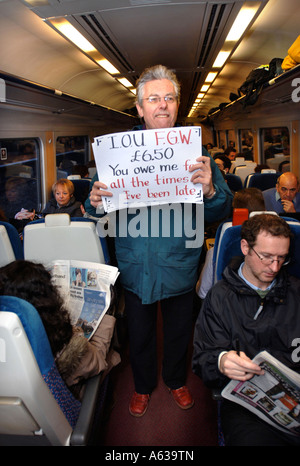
pixel 259 309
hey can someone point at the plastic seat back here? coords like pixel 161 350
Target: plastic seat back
pixel 234 182
pixel 262 181
pixel 35 405
pixel 7 254
pixel 228 247
pixel 238 161
pixel 11 247
pixel 294 265
pixel 244 170
pixel 60 237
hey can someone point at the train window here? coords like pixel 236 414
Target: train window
pixel 246 142
pixel 275 148
pixel 246 139
pixel 231 138
pixel 222 143
pixel 71 151
pixel 20 180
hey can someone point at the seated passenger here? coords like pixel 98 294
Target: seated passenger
pixel 223 162
pixel 81 170
pixel 285 197
pixel 230 152
pixel 209 146
pixel 15 197
pixel 261 167
pixel 76 357
pixel 256 303
pixel 247 198
pixel 64 201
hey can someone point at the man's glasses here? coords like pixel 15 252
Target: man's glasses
pixel 170 99
pixel 268 260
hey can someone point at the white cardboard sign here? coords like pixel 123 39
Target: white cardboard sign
pixel 149 167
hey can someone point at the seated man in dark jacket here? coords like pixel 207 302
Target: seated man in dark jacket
pixel 257 304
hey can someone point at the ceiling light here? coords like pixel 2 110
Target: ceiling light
pixel 210 77
pixel 241 22
pixel 108 66
pixel 73 35
pixel 125 82
pixel 204 88
pixel 221 59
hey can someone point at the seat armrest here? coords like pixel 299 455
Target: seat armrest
pixel 85 421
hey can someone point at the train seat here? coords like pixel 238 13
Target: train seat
pixel 36 407
pixel 261 181
pixel 81 188
pixel 276 161
pixel 74 177
pixel 234 182
pixel 216 150
pixel 7 254
pixel 57 236
pixel 238 161
pixel 227 246
pixel 244 170
pixel 10 244
pixel 294 266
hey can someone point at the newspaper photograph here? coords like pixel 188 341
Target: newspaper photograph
pixel 273 396
pixel 86 290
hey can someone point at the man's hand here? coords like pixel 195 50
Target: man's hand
pixel 288 206
pixel 98 190
pixel 202 174
pixel 238 367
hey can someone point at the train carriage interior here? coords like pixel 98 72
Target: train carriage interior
pixel 68 71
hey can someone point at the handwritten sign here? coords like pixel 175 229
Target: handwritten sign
pixel 149 167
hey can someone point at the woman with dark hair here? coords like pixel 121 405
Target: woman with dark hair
pixel 76 357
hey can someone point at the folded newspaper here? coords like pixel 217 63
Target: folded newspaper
pixel 86 290
pixel 273 396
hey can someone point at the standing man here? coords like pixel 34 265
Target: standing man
pixel 285 197
pixel 158 268
pixel 254 307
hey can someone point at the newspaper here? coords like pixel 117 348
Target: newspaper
pixel 86 290
pixel 273 396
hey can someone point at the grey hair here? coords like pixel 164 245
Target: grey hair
pixel 154 73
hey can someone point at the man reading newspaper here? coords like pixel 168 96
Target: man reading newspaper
pixel 255 307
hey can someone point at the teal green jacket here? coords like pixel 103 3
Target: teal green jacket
pixel 161 259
